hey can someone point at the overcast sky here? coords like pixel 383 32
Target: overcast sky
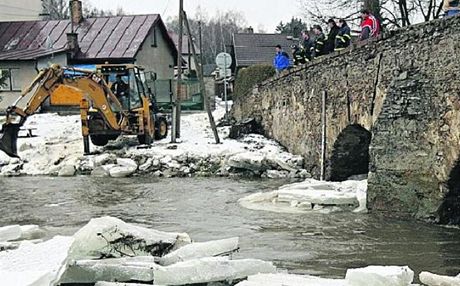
pixel 264 14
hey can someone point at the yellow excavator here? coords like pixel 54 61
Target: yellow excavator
pixel 104 115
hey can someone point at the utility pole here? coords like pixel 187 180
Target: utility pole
pixel 202 85
pixel 177 100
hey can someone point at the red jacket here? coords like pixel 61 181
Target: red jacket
pixel 373 25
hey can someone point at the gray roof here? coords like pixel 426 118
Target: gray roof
pixel 252 49
pixel 99 38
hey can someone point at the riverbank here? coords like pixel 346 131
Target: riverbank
pixel 57 151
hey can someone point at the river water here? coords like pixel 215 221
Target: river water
pixel 207 209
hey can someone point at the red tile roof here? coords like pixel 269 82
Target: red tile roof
pixel 117 37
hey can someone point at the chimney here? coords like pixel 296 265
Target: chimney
pixel 250 30
pixel 76 13
pixel 72 44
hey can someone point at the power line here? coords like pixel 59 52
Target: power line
pixel 166 8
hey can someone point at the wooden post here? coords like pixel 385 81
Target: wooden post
pixel 176 108
pixel 323 135
pixel 203 88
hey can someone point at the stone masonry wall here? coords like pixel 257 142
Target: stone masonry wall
pixel 403 88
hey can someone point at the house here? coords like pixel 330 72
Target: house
pixel 28 46
pixel 20 10
pixel 187 54
pixel 255 49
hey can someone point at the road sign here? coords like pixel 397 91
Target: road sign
pixel 224 60
pixel 225 73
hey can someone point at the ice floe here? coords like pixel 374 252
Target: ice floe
pixel 311 195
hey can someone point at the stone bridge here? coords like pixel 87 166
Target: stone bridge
pixel 392 110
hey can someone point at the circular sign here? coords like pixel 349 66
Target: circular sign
pixel 224 60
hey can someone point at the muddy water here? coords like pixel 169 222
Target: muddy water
pixel 207 209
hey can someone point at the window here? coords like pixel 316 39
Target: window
pixel 9 80
pixel 153 38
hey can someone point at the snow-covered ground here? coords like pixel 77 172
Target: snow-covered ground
pixel 58 150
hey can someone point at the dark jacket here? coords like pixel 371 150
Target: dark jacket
pixel 281 61
pixel 299 57
pixel 343 39
pixel 330 42
pixel 319 48
pixel 307 47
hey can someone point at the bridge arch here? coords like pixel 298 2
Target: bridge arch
pixel 350 153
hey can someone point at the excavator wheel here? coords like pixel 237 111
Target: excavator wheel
pixel 161 128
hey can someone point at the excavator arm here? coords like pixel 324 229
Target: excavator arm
pixel 92 89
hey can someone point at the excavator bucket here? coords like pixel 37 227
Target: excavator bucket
pixel 9 138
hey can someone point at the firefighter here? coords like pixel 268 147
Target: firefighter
pixel 331 36
pixel 298 55
pixel 306 44
pixel 319 48
pixel 343 39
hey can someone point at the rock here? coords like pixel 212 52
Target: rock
pixel 124 168
pixel 67 171
pixel 112 237
pixel 207 270
pixel 35 264
pixel 246 126
pixel 431 279
pixel 174 165
pixel 144 167
pixel 104 159
pixel 275 174
pixel 380 276
pixel 201 250
pixel 10 232
pixel 126 162
pixel 165 160
pixel 124 269
pixel 121 171
pixel 246 161
pixel 11 169
pixel 101 172
pixel 290 280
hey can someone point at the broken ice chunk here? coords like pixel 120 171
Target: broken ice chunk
pixel 35 264
pixel 112 237
pixel 431 279
pixel 290 280
pixel 117 269
pixel 380 276
pixel 10 232
pixel 200 250
pixel 212 269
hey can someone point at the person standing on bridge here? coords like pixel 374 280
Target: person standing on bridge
pixel 281 60
pixel 370 26
pixel 306 45
pixel 331 36
pixel 451 7
pixel 343 39
pixel 319 48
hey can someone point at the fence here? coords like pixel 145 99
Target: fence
pixel 190 94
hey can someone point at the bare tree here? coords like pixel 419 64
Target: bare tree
pixel 392 13
pixel 217 32
pixel 59 9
